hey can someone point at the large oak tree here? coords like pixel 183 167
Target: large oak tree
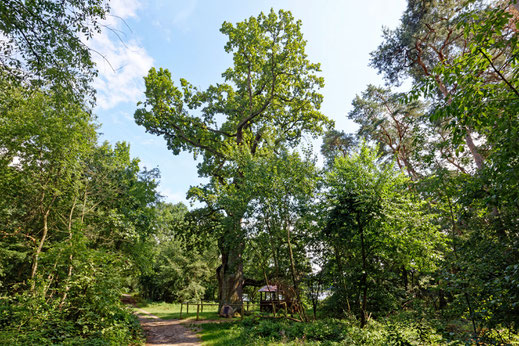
pixel 268 98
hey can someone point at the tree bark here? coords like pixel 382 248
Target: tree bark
pixel 40 247
pixel 273 246
pixel 294 276
pixel 342 279
pixel 230 272
pixel 364 278
pixel 70 258
pixel 405 280
pixel 478 159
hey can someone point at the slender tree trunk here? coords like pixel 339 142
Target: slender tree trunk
pixel 314 304
pixel 272 245
pixel 51 276
pixel 294 276
pixel 410 169
pixel 340 266
pixel 364 278
pixel 70 258
pixel 465 294
pixel 442 303
pixel 40 247
pixel 46 213
pixel 316 292
pixel 404 278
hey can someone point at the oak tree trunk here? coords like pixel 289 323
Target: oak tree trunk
pixel 230 272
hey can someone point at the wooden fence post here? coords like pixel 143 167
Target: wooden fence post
pixel 202 302
pixel 197 309
pixel 181 310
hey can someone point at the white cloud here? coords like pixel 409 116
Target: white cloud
pixel 121 61
pixel 124 8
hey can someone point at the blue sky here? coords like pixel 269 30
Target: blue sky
pixel 184 37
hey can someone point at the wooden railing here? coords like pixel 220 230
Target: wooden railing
pixel 244 307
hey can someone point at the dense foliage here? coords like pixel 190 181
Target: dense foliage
pixel 454 134
pixel 407 235
pixel 80 224
pixel 43 44
pixel 378 231
pixel 70 212
pixel 78 219
pixel 177 268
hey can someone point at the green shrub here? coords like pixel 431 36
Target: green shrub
pixel 26 320
pixel 253 331
pixel 92 313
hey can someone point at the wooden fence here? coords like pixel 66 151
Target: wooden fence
pixel 245 307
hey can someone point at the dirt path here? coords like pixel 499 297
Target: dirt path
pixel 165 332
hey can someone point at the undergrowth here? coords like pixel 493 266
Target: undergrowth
pixel 26 320
pixel 253 331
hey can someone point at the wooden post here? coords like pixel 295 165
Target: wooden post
pixel 286 308
pixel 197 309
pixel 202 303
pixel 181 310
pixel 247 306
pixel 187 309
pixel 273 304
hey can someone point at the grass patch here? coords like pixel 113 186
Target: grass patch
pixel 169 311
pixel 219 334
pixel 172 310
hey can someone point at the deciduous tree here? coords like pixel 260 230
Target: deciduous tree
pixel 269 92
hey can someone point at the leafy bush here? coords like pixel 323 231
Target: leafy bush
pixel 91 313
pixel 27 320
pixel 322 332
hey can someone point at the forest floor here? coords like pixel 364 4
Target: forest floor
pixel 166 332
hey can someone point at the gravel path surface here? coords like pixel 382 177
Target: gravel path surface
pixel 166 332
